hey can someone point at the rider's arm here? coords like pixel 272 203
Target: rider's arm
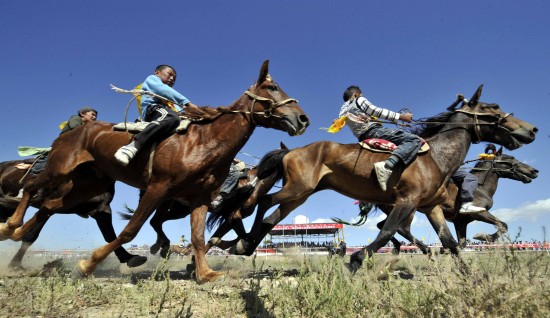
pixel 378 112
pixel 155 85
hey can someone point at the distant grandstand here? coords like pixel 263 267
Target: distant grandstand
pixel 309 237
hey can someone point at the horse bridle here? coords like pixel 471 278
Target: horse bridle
pixel 268 112
pixel 498 171
pixel 500 120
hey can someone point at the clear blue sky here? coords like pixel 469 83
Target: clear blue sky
pixel 60 55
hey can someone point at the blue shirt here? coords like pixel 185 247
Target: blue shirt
pixel 155 85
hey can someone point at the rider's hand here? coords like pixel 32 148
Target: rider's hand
pixel 406 117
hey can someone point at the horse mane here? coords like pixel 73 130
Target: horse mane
pixel 430 126
pixel 203 113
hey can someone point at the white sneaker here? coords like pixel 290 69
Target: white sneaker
pixel 468 208
pixel 217 201
pixel 124 154
pixel 20 194
pixel 382 173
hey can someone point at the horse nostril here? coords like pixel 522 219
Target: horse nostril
pixel 535 130
pixel 304 119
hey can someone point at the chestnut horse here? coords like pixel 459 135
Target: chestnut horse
pixel 98 208
pixel 189 167
pixel 488 173
pixel 348 169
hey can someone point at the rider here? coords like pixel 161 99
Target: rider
pixel 236 171
pixel 360 112
pixel 161 114
pixel 85 115
pixel 468 184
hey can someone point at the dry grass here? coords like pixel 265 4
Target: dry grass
pixel 498 284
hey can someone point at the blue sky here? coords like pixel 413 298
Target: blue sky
pixel 60 55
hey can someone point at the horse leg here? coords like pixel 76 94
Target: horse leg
pixel 161 215
pixel 405 231
pixel 487 217
pixel 203 272
pixel 16 220
pixel 149 202
pixel 396 244
pixel 28 240
pixel 16 261
pixel 390 227
pixel 461 225
pixel 439 223
pixel 104 221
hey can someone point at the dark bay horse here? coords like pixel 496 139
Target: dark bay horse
pixel 98 208
pixel 348 169
pixel 489 172
pixel 189 167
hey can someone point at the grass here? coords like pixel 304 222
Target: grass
pixel 497 284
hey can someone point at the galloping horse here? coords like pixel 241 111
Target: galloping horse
pixel 488 172
pixel 97 207
pixel 348 169
pixel 188 167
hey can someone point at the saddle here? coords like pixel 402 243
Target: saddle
pixel 382 145
pixel 139 126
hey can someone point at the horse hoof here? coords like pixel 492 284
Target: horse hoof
pixel 154 248
pixel 136 261
pixel 215 241
pixel 212 276
pixel 84 268
pixel 5 232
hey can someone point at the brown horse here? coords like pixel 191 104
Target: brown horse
pixel 488 173
pixel 348 169
pixel 98 208
pixel 189 167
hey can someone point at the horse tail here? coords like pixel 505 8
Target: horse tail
pixel 364 209
pixel 128 214
pixel 230 204
pixel 272 164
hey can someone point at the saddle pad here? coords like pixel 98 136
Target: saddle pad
pixel 381 145
pixel 139 126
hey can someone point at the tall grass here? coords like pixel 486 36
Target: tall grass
pixel 498 284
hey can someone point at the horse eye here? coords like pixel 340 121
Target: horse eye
pixel 272 88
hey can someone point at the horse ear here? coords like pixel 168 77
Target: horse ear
pixel 283 146
pixel 263 72
pixel 475 99
pixel 499 152
pixel 491 148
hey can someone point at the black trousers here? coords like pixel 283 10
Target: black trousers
pixel 163 122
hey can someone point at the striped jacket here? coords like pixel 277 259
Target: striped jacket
pixel 356 109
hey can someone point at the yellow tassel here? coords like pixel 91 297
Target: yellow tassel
pixel 62 125
pixel 486 156
pixel 337 124
pixel 138 98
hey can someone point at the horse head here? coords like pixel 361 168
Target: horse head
pixel 506 166
pixel 491 124
pixel 271 107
